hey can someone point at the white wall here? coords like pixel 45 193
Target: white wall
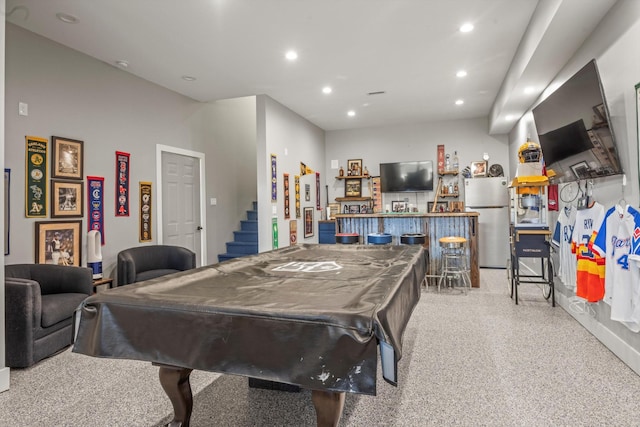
pixel 229 144
pixel 292 139
pixel 409 143
pixel 614 45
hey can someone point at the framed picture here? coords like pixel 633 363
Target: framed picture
pixel 398 206
pixel 600 113
pixel 581 170
pixel 67 158
pixel 440 207
pixel 354 167
pixel 353 209
pixel 67 198
pixel 308 222
pixel 478 169
pixel 59 242
pixel 332 210
pixel 353 187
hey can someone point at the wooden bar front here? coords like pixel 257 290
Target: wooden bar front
pixel 433 225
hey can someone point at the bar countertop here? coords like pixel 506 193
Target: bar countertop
pixel 408 215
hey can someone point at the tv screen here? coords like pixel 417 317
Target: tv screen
pixel 406 176
pixel 573 129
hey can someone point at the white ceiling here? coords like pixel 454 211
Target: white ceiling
pixel 411 49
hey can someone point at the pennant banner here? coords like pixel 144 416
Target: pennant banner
pixel 95 205
pixel 296 179
pixel 274 232
pixel 274 179
pixel 122 183
pixel 145 212
pixel 287 212
pixel 36 177
pixel 318 207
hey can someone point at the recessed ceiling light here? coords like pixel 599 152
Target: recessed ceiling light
pixel 461 73
pixel 466 27
pixel 529 90
pixel 122 63
pixel 188 78
pixel 351 113
pixel 327 90
pixel 292 55
pixel 66 18
pixel 459 102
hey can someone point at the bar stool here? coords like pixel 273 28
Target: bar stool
pixel 347 238
pixel 454 260
pixel 379 238
pixel 419 239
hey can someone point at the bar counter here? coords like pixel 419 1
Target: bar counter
pixel 433 225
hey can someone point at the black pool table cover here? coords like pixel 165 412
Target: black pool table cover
pixel 309 315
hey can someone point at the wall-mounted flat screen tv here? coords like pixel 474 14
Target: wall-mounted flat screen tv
pixel 406 176
pixel 574 132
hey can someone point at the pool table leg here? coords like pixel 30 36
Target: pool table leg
pixel 328 406
pixel 175 382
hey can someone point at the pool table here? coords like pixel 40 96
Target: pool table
pixel 309 315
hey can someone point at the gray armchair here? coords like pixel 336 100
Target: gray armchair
pixel 40 300
pixel 148 262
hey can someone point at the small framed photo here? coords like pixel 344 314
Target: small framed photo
pixel 333 209
pixel 440 207
pixel 308 222
pixel 581 170
pixel 67 158
pixel 398 206
pixel 353 187
pixel 67 198
pixel 478 169
pixel 354 167
pixel 58 242
pixel 600 113
pixel 353 209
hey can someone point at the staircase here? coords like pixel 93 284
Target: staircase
pixel 245 241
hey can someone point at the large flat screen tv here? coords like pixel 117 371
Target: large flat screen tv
pixel 406 176
pixel 574 132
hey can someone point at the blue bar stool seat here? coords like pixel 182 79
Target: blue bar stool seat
pixel 379 238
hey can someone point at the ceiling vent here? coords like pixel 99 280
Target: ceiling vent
pixel 380 92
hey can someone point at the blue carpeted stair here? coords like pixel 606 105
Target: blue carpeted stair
pixel 245 241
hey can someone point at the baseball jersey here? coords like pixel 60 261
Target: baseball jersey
pixel 616 239
pixel 562 239
pixel 589 265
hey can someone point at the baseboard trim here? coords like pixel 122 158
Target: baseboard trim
pixel 4 379
pixel 629 355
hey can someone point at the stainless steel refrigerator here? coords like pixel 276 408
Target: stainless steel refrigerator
pixel 490 198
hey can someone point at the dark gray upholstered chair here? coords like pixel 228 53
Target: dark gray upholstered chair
pixel 40 300
pixel 148 262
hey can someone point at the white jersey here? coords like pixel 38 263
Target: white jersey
pixel 562 240
pixel 617 238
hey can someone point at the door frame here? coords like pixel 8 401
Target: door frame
pixel 203 218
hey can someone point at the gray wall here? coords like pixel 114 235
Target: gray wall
pixel 613 45
pixel 412 142
pixel 72 95
pixel 292 139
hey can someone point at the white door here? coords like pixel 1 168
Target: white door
pixel 181 199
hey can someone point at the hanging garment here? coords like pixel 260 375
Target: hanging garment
pixel 617 238
pixel 562 240
pixel 590 265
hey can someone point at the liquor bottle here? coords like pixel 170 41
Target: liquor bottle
pixel 456 164
pixel 447 163
pixel 455 187
pixel 341 171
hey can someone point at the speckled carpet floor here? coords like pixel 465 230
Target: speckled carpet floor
pixel 469 360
